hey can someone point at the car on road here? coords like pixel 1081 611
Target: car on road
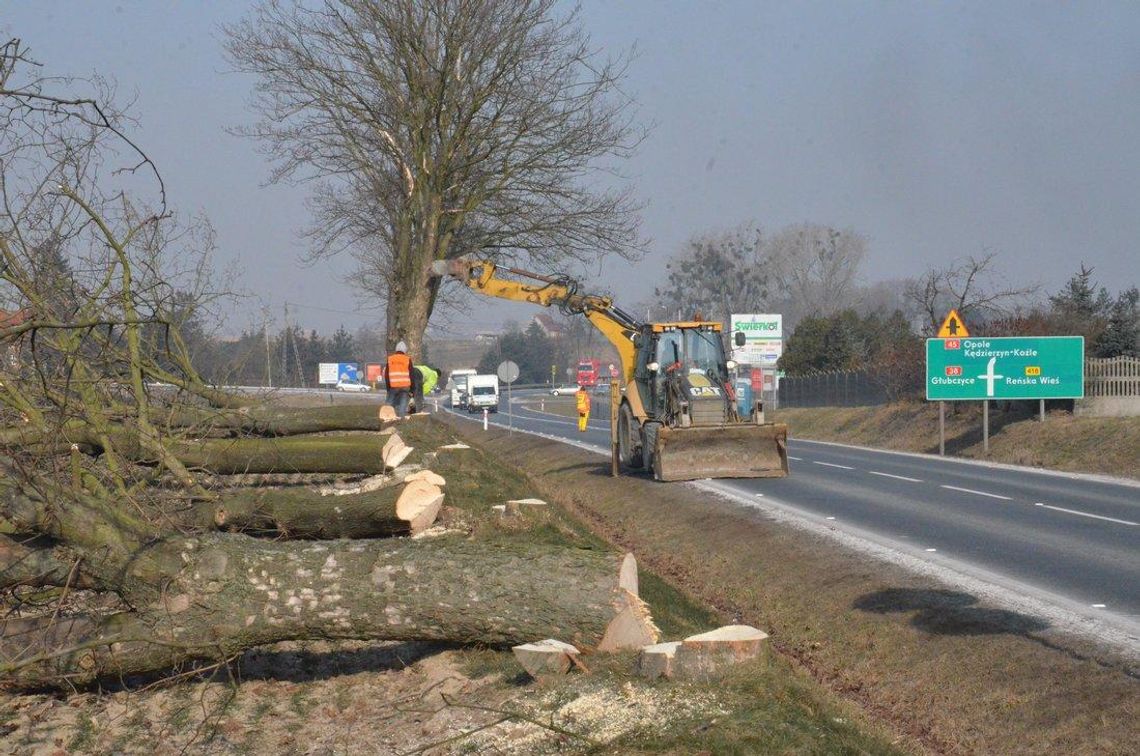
pixel 560 390
pixel 352 386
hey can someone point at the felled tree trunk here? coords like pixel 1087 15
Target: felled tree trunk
pixel 223 593
pixel 294 454
pixel 385 507
pixel 281 421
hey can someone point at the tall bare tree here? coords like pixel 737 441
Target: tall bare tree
pixel 436 128
pixel 717 274
pixel 972 286
pixel 814 269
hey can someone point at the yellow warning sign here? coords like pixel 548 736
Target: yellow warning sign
pixel 953 327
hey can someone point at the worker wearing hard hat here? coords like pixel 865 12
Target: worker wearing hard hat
pixel 582 397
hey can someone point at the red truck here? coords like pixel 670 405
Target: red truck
pixel 589 370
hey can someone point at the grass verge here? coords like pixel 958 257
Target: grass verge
pixel 1106 445
pixel 943 671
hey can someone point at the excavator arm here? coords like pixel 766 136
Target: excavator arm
pixel 549 291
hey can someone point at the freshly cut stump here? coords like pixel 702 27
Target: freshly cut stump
pixel 546 657
pixel 387 413
pixel 708 655
pixel 657 660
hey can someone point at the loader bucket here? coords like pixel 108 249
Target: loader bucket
pixel 743 450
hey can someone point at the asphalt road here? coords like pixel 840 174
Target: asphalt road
pixel 1068 541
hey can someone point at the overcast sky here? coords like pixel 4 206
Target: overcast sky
pixel 937 130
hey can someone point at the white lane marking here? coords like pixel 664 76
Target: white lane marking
pixel 1099 606
pixel 831 518
pixel 760 495
pixel 1086 514
pixel 932 549
pixel 798 459
pixel 979 493
pixel 829 464
pixel 896 477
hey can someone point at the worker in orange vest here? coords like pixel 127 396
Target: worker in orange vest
pixel 583 399
pixel 398 379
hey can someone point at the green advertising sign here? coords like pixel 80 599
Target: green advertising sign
pixel 1031 367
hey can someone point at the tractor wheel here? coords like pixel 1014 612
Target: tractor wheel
pixel 629 439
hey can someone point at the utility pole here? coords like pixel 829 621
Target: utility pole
pixel 268 353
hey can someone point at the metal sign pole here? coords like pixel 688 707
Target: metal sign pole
pixel 1042 408
pixel 986 426
pixel 510 417
pixel 942 429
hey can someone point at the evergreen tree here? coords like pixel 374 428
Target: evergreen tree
pixel 343 347
pixel 1121 335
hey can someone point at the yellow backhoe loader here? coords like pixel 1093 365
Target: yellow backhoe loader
pixel 678 415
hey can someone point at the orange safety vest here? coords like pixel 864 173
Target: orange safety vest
pixel 583 402
pixel 398 372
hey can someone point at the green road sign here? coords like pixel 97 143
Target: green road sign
pixel 1031 367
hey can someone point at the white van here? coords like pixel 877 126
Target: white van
pixel 483 393
pixel 457 384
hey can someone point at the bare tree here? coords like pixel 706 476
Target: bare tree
pixel 972 286
pixel 814 269
pixel 717 274
pixel 437 128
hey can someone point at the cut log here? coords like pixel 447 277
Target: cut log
pixel 274 420
pixel 391 508
pixel 395 451
pixel 528 502
pixel 387 413
pixel 457 445
pixel 546 657
pixel 708 655
pixel 419 505
pixel 657 660
pixel 360 453
pixel 220 594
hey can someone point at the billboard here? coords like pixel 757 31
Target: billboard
pixel 764 338
pixel 1039 367
pixel 329 373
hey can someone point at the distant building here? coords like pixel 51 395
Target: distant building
pixel 552 328
pixel 487 336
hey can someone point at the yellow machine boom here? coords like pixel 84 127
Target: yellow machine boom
pixel 680 422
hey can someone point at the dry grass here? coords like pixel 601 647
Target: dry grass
pixel 1108 445
pixel 942 671
pixel 320 697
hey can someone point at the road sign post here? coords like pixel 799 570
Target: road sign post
pixel 1011 367
pixel 508 373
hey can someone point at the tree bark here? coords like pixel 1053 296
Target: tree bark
pixel 391 507
pixel 226 593
pixel 282 421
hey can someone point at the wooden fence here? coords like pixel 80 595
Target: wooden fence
pixel 1115 376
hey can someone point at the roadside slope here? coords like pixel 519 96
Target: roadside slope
pixel 1106 445
pixel 935 665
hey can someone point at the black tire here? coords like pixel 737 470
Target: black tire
pixel 628 450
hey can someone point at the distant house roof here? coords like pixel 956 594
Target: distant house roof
pixel 550 326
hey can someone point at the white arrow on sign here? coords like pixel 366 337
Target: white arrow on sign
pixel 989 376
